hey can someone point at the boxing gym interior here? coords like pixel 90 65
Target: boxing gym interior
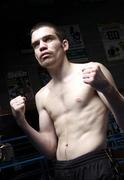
pixel 96 32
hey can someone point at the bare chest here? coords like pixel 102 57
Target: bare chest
pixel 68 97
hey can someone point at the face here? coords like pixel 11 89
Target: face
pixel 48 49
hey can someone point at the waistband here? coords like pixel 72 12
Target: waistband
pixel 82 160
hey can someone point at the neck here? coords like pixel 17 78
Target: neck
pixel 61 71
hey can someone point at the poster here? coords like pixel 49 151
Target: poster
pixel 113 40
pixel 77 51
pixel 18 83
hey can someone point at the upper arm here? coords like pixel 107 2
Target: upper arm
pixel 45 122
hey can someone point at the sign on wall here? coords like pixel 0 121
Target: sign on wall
pixel 19 83
pixel 77 50
pixel 113 40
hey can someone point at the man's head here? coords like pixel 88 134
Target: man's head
pixel 49 44
pixel 57 30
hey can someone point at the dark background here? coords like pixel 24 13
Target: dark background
pixel 16 19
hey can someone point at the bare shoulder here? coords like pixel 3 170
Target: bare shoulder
pixel 89 64
pixel 79 65
pixel 41 95
pixel 95 64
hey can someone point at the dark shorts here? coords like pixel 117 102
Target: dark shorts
pixel 91 166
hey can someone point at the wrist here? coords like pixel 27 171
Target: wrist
pixel 107 89
pixel 22 122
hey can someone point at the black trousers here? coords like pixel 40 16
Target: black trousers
pixel 91 166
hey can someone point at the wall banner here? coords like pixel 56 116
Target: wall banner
pixel 77 50
pixel 18 83
pixel 113 40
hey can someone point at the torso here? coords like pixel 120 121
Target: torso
pixel 79 116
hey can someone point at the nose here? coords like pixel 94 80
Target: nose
pixel 43 46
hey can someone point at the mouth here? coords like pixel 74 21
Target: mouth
pixel 45 55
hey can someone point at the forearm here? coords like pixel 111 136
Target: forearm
pixel 116 104
pixel 41 142
pixel 44 141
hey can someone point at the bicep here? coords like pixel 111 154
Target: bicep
pixel 45 122
pixel 46 127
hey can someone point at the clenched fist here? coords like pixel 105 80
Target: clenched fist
pixel 94 75
pixel 18 108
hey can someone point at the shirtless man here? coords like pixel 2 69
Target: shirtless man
pixel 73 110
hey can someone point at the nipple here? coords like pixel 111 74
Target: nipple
pixel 78 99
pixel 66 145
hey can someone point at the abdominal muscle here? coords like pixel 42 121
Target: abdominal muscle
pixel 80 119
pixel 78 136
pixel 74 148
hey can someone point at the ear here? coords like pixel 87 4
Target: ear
pixel 65 44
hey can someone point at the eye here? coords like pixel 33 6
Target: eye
pixel 35 44
pixel 48 38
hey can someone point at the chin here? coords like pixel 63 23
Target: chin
pixel 49 63
pixel 46 64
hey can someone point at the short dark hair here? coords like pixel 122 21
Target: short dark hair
pixel 60 34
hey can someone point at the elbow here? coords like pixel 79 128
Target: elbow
pixel 52 151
